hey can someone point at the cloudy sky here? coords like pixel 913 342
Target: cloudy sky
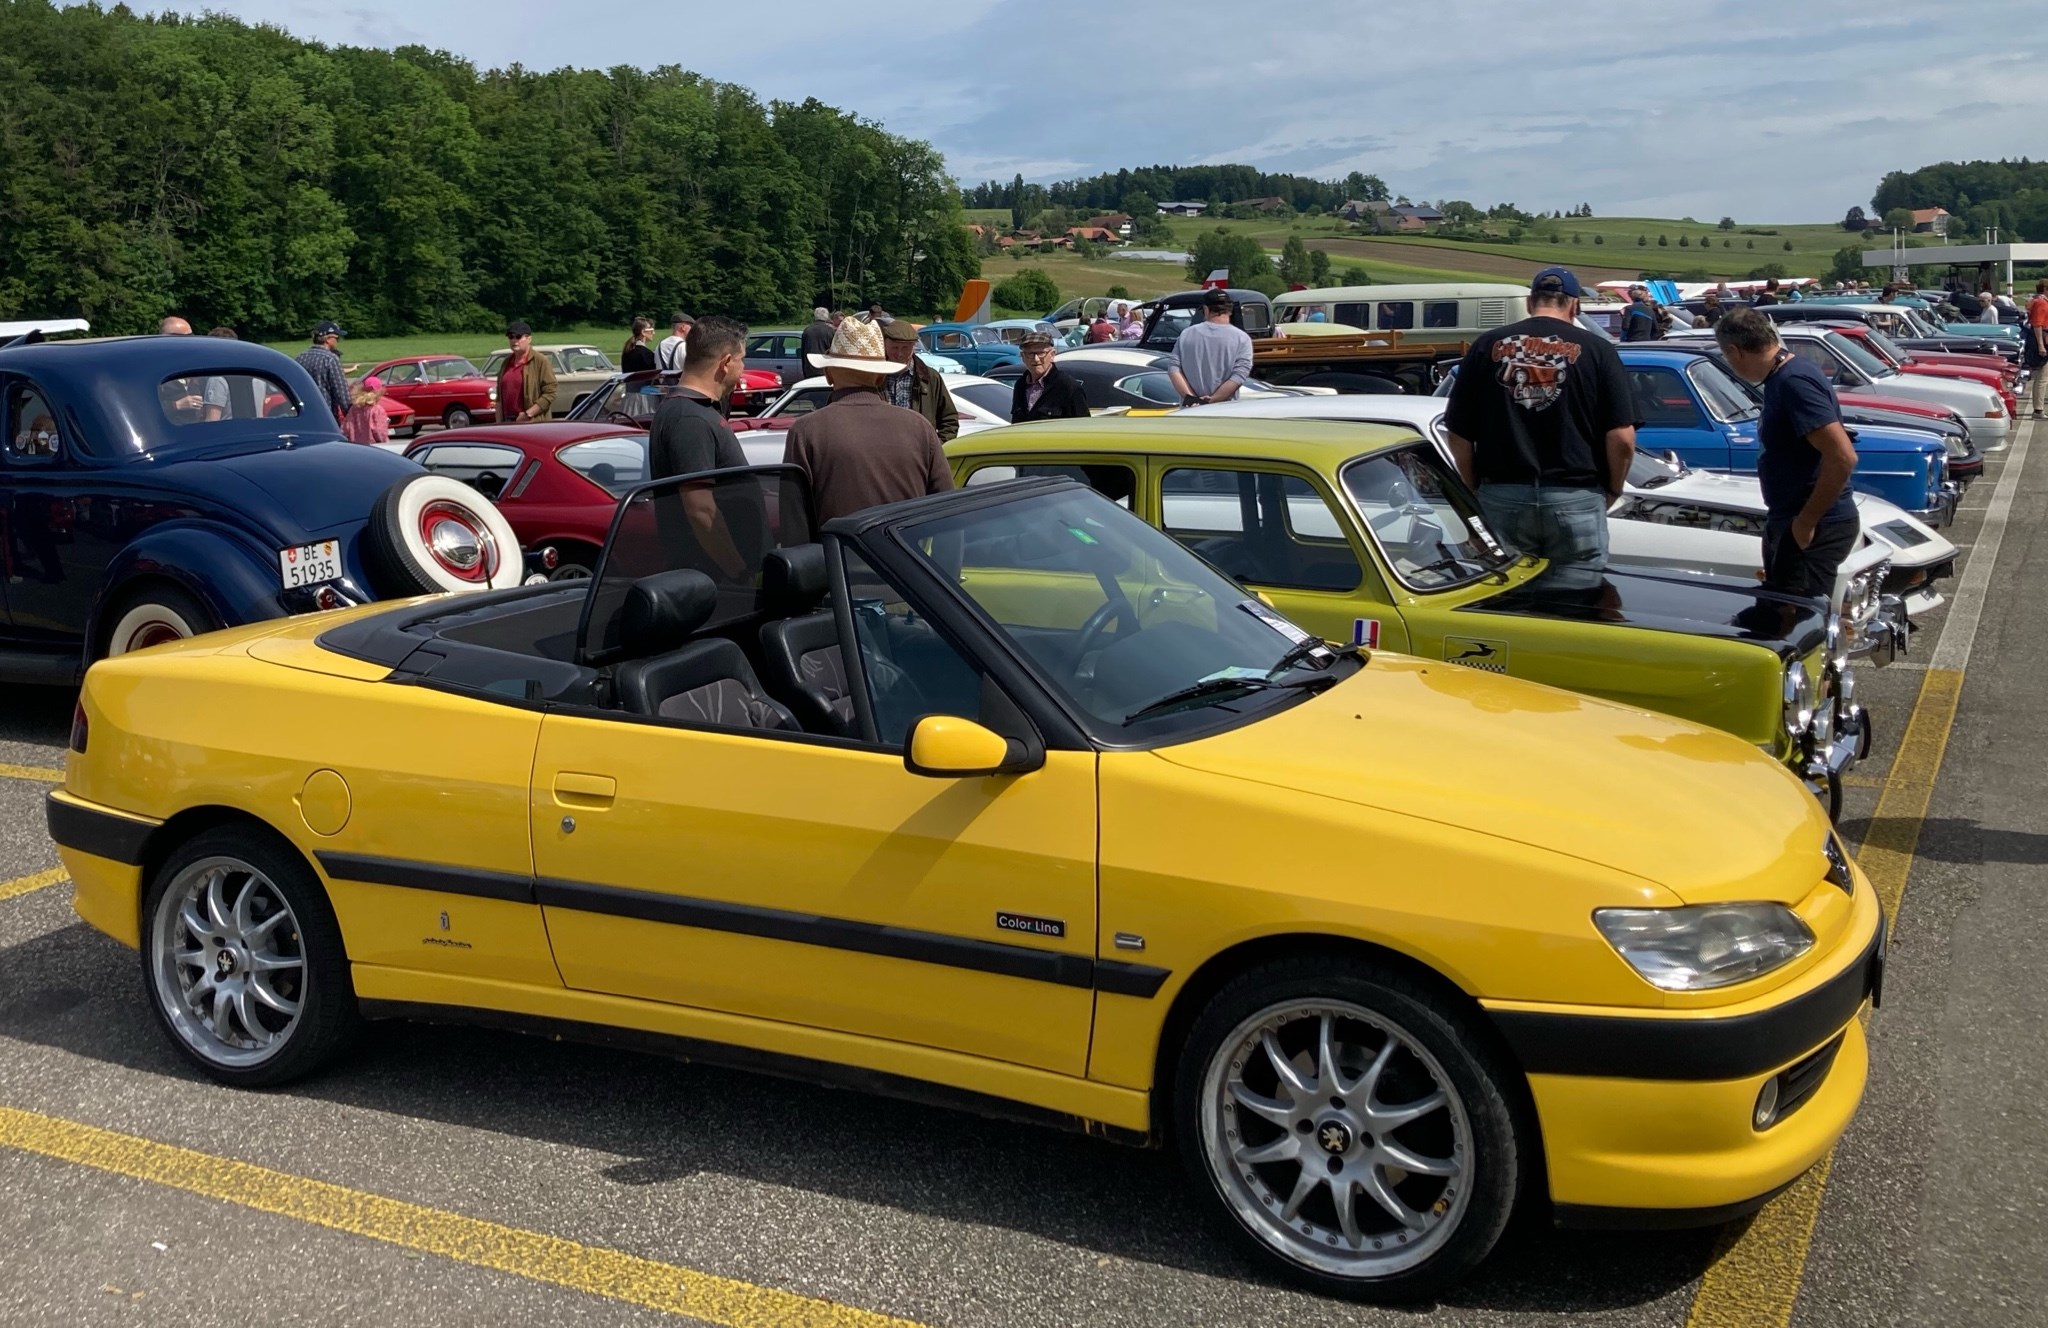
pixel 1773 110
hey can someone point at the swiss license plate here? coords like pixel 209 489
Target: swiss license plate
pixel 310 564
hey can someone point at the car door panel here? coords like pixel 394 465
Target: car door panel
pixel 822 885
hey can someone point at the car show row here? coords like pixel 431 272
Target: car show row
pixel 888 808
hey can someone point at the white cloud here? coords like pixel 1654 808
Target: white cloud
pixel 1767 110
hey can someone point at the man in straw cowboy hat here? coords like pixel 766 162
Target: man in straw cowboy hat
pixel 859 450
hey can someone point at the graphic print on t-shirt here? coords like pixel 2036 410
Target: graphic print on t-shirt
pixel 1533 369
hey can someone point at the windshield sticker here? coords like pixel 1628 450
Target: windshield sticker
pixel 1485 536
pixel 1475 653
pixel 1365 632
pixel 1234 672
pixel 1294 635
pixel 1082 535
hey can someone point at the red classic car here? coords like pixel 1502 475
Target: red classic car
pixel 558 483
pixel 447 388
pixel 1989 370
pixel 632 398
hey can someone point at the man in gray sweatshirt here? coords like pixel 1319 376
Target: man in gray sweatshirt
pixel 1212 359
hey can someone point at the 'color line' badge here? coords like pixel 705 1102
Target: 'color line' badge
pixel 1036 926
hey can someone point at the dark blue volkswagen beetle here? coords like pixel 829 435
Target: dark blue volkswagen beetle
pixel 152 488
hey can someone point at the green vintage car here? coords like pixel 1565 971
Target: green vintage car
pixel 1367 535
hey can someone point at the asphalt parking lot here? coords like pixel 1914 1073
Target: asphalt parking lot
pixel 456 1176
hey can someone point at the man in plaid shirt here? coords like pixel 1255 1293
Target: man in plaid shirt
pixel 321 360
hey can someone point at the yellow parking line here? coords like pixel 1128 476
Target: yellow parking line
pixel 37 773
pixel 1754 1279
pixel 22 885
pixel 530 1254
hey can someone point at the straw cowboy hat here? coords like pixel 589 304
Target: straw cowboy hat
pixel 857 346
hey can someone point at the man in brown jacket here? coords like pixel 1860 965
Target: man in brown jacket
pixel 859 450
pixel 526 385
pixel 923 389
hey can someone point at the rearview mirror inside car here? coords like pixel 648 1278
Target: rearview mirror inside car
pixel 949 747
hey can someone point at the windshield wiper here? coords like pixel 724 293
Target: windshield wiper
pixel 1217 687
pixel 1302 651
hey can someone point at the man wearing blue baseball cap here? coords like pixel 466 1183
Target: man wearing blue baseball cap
pixel 1542 422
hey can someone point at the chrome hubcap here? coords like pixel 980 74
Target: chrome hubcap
pixel 229 970
pixel 1337 1138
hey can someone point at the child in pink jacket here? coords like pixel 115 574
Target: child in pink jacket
pixel 366 421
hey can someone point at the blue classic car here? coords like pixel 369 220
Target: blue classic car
pixel 156 487
pixel 978 347
pixel 1692 404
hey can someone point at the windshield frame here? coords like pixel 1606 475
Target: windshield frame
pixel 1865 362
pixel 1501 557
pixel 1713 370
pixel 985 641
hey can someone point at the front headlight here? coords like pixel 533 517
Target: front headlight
pixel 1957 447
pixel 1703 946
pixel 1798 699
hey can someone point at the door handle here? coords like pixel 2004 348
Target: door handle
pixel 593 792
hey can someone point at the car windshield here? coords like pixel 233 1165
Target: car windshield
pixel 629 400
pixel 1423 518
pixel 992 397
pixel 1858 356
pixel 1724 393
pixel 1151 385
pixel 585 359
pixel 1172 322
pixel 989 336
pixel 1136 633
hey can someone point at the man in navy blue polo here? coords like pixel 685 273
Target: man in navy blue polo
pixel 1804 458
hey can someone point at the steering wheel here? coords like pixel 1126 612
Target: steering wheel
pixel 619 417
pixel 1112 610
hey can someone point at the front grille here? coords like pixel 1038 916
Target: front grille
pixel 1799 1082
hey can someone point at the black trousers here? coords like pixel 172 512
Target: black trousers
pixel 1811 570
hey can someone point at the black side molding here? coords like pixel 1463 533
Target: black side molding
pixel 427 876
pixel 1611 1047
pixel 99 833
pixel 1592 1217
pixel 756 1061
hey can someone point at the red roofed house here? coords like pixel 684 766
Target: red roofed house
pixel 1930 220
pixel 1099 234
pixel 1120 222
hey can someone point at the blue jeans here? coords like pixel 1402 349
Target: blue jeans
pixel 1566 526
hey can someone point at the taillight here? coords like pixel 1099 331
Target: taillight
pixel 78 726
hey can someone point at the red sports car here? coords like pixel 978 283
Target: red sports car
pixel 1990 371
pixel 558 484
pixel 447 388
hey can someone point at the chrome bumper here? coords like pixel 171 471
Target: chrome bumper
pixel 1943 513
pixel 1883 637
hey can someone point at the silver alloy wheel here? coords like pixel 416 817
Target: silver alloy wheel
pixel 228 963
pixel 1337 1138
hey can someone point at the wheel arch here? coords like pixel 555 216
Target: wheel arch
pixel 207 563
pixel 1220 968
pixel 192 822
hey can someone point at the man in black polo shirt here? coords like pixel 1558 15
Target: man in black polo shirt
pixel 1542 421
pixel 1804 458
pixel 689 434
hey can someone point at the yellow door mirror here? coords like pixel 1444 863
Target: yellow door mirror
pixel 948 747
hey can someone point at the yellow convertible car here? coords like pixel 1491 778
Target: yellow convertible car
pixel 1002 797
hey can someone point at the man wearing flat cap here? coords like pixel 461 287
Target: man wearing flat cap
pixel 923 388
pixel 860 450
pixel 1045 392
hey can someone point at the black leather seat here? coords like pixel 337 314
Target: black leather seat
pixel 800 649
pixel 700 682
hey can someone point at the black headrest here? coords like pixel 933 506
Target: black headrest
pixel 662 610
pixel 794 579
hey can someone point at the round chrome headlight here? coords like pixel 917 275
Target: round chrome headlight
pixel 1798 700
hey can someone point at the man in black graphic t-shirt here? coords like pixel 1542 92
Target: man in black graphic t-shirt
pixel 1542 422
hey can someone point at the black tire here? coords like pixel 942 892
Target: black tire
pixel 152 615
pixel 327 1016
pixel 399 559
pixel 456 417
pixel 1479 1085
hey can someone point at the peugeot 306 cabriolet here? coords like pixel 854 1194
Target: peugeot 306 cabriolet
pixel 1003 797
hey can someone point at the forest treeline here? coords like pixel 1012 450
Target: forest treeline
pixel 1979 195
pixel 235 174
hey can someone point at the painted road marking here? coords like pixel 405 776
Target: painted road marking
pixel 530 1254
pixel 1754 1279
pixel 37 773
pixel 22 885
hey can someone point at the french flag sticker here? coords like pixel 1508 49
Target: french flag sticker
pixel 1365 632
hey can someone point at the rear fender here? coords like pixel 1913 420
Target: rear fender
pixel 222 568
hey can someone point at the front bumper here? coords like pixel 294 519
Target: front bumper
pixel 1943 512
pixel 1882 637
pixel 1657 1115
